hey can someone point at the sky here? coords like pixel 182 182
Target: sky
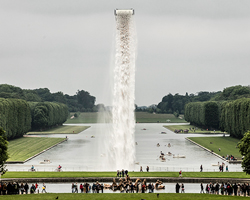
pixel 183 46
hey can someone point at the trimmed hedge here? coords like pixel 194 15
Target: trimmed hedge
pixel 235 117
pixel 15 117
pixel 48 114
pixel 229 116
pixel 205 114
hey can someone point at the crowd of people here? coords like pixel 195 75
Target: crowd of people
pixel 11 188
pixel 235 189
pixel 125 185
pixel 122 173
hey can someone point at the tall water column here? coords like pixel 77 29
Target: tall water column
pixel 123 119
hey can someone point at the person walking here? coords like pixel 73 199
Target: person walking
pixel 202 188
pixel 201 168
pixel 76 188
pixel 180 173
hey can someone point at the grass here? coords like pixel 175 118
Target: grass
pixel 127 196
pixel 144 117
pixel 199 130
pixel 84 117
pixel 22 174
pixel 61 130
pixel 23 148
pixel 226 144
pixel 141 117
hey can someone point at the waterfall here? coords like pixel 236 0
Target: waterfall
pixel 123 119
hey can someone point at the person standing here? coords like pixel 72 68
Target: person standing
pixel 37 190
pixel 177 188
pixel 141 169
pixel 22 188
pixel 202 188
pixel 153 187
pixel 44 188
pixel 32 189
pixel 201 168
pixel 73 187
pixel 147 168
pixel 81 187
pixel 182 188
pixel 26 188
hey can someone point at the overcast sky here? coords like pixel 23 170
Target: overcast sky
pixel 183 45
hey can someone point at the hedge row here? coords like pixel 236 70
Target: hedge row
pixel 205 114
pixel 17 116
pixel 48 114
pixel 232 117
pixel 235 117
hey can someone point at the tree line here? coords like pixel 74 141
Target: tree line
pixel 82 101
pixel 226 114
pixel 18 116
pixel 176 103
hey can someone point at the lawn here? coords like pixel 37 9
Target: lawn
pixel 227 145
pixel 127 196
pixel 141 117
pixel 23 148
pixel 65 129
pixel 197 130
pixel 131 174
pixel 145 117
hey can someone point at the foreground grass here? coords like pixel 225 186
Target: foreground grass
pixel 226 144
pixel 23 148
pixel 131 174
pixel 141 117
pixel 61 130
pixel 199 130
pixel 127 196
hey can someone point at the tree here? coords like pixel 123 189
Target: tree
pixel 85 99
pixel 244 148
pixel 3 151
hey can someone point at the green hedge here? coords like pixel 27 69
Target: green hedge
pixel 48 114
pixel 205 114
pixel 229 116
pixel 235 117
pixel 15 117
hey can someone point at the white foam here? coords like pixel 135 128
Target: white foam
pixel 122 143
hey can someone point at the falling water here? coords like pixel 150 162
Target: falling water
pixel 122 144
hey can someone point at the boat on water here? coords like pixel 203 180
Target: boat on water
pixel 217 164
pixel 179 156
pixel 45 162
